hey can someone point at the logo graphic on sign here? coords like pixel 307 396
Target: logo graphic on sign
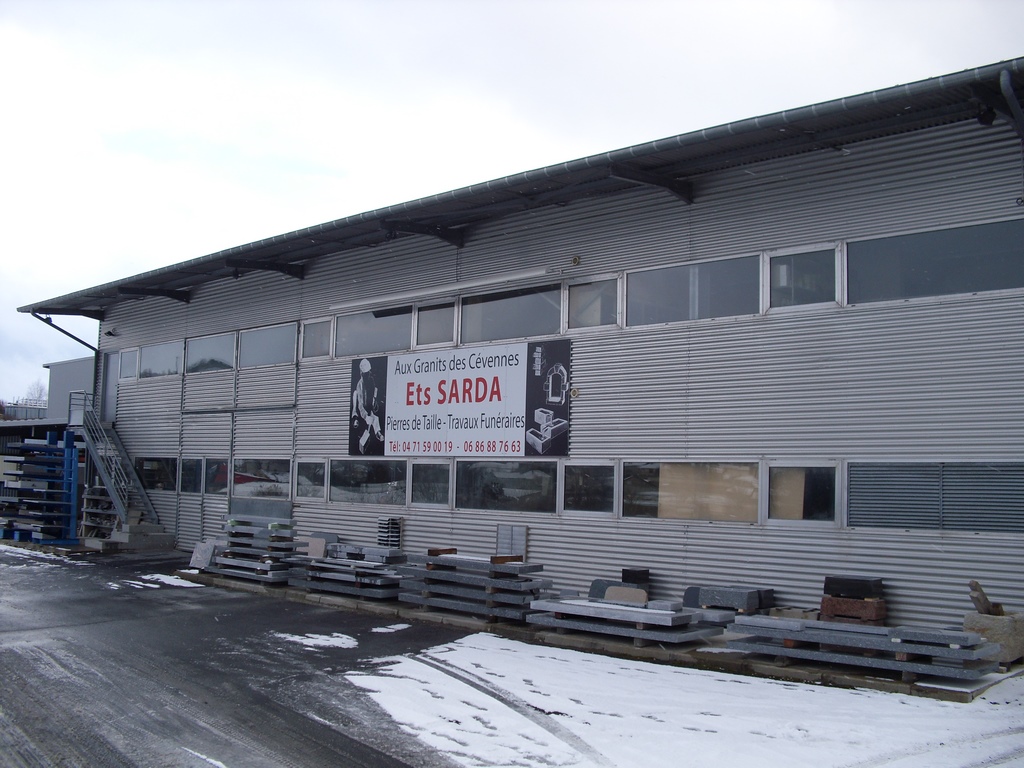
pixel 502 400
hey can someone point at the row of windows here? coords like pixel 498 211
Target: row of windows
pixel 964 260
pixel 978 497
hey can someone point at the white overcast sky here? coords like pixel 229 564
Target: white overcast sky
pixel 139 133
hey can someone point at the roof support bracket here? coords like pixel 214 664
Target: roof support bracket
pixel 681 189
pixel 292 270
pixel 129 290
pixel 49 322
pixel 456 237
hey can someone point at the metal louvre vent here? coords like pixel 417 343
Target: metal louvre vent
pixel 983 497
pixel 963 497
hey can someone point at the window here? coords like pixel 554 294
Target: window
pixel 514 486
pixel 383 330
pixel 266 346
pixel 217 477
pixel 721 492
pixel 368 482
pixel 262 477
pixel 802 278
pixel 316 339
pixel 964 260
pixel 129 367
pixel 157 474
pixel 160 360
pixel 512 314
pixel 431 483
pixel 309 479
pixel 212 353
pixel 593 304
pixel 191 476
pixel 962 497
pixel 589 488
pixel 435 325
pixel 802 493
pixel 694 291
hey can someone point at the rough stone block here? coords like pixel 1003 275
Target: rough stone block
pixel 1007 630
pixel 202 555
pixel 853 608
pixel 636 576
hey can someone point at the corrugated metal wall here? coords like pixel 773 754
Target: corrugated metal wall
pixel 925 380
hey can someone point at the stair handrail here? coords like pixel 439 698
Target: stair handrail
pixel 110 457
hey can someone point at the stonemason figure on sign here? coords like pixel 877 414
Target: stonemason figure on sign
pixel 365 407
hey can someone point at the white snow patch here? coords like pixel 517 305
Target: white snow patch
pixel 334 640
pixel 390 628
pixel 631 713
pixel 170 581
pixel 113 585
pixel 35 554
pixel 204 758
pixel 141 584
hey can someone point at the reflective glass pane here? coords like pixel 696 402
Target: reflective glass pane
pixel 191 476
pixel 698 491
pixel 316 339
pixel 694 292
pixel 987 257
pixel 430 483
pixel 157 474
pixel 592 304
pixel 217 476
pixel 262 477
pixel 309 479
pixel 589 488
pixel 160 360
pixel 803 278
pixel 435 325
pixel 516 486
pixel 511 315
pixel 368 482
pixel 266 346
pixel 802 493
pixel 381 331
pixel 212 353
pixel 129 364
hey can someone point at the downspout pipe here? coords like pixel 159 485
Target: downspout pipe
pixel 49 322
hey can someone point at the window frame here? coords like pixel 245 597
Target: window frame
pixel 764 492
pixel 180 344
pixel 330 338
pixel 419 461
pixel 839 293
pixel 121 375
pixel 234 353
pixel 243 332
pixel 620 302
pixel 324 486
pixel 616 510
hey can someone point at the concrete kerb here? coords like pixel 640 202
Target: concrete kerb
pixel 711 655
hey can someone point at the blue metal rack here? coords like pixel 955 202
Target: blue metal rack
pixel 46 506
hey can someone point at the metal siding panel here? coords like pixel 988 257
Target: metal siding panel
pixel 263 387
pixel 206 435
pixel 324 408
pixel 264 434
pixel 215 512
pixel 188 529
pixel 894 495
pixel 213 389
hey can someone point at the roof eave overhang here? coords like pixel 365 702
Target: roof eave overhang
pixel 669 162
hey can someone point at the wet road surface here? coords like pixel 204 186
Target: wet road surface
pixel 103 663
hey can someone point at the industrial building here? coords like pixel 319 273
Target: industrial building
pixel 761 353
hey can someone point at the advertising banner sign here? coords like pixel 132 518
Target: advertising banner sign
pixel 502 400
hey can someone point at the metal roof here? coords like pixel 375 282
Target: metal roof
pixel 984 94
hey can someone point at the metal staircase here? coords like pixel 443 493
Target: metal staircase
pixel 112 462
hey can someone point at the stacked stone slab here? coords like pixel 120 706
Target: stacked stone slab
pixel 495 587
pixel 721 605
pixel 622 609
pixel 911 651
pixel 854 600
pixel 258 548
pixel 348 569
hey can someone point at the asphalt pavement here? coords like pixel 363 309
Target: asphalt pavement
pixel 103 662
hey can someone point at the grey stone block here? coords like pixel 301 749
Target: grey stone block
pixel 202 555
